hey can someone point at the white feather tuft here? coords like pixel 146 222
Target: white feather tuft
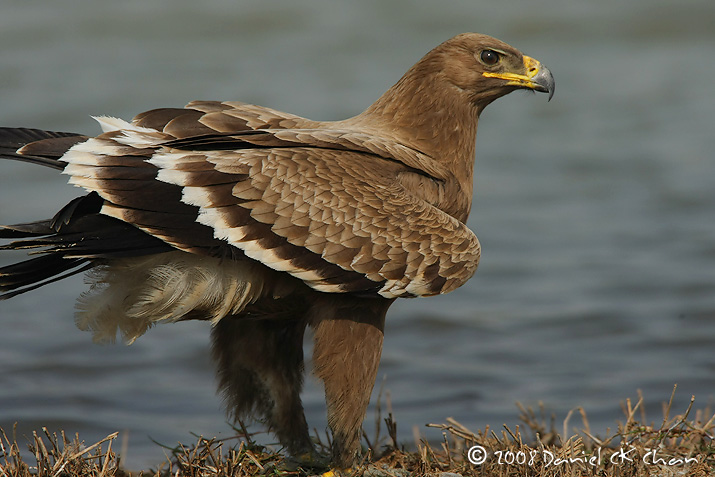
pixel 167 160
pixel 131 295
pixel 171 176
pixel 197 196
pixel 76 155
pixel 109 124
pixel 133 135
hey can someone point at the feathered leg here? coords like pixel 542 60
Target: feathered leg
pixel 348 345
pixel 260 369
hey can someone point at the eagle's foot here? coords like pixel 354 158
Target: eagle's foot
pixel 311 461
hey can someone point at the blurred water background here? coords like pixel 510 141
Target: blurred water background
pixel 595 211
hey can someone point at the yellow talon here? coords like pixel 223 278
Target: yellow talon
pixel 337 472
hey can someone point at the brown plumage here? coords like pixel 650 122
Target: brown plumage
pixel 265 223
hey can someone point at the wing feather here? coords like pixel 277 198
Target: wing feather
pixel 330 207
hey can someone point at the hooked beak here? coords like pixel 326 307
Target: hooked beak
pixel 536 77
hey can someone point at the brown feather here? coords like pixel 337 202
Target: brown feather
pixel 319 224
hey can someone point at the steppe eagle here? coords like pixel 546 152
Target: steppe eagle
pixel 265 223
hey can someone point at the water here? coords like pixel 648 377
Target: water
pixel 595 211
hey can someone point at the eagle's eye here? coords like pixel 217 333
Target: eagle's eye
pixel 489 57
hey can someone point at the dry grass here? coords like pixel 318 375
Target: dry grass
pixel 680 444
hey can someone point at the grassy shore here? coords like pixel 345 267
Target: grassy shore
pixel 677 444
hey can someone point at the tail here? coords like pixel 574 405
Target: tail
pixel 77 238
pixel 37 146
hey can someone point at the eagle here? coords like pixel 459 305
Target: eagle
pixel 265 223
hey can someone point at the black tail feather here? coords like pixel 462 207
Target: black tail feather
pixel 35 270
pixel 36 146
pixel 79 246
pixel 19 137
pixel 77 238
pixel 31 229
pixel 36 285
pixel 78 207
pixel 77 235
pixel 88 240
